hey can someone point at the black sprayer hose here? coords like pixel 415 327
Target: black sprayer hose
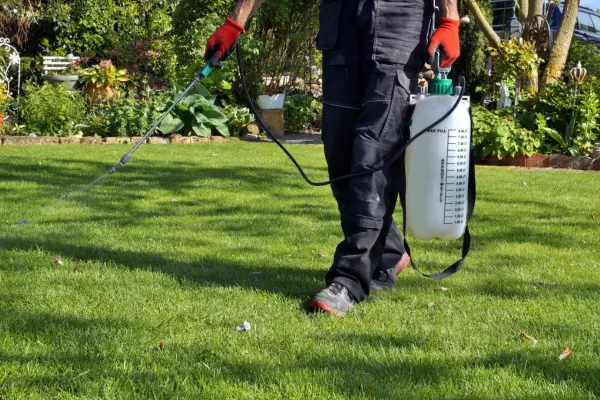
pixel 387 162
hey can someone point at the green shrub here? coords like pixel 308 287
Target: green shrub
pixel 556 106
pixel 196 113
pixel 237 118
pixel 52 110
pixel 130 32
pixel 300 111
pixel 499 134
pixel 130 114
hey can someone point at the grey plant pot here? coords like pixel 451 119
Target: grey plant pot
pixel 68 81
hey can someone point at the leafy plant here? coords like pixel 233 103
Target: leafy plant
pixel 300 111
pixel 4 98
pixel 500 135
pixel 130 114
pixel 104 74
pixel 196 113
pixel 556 104
pixel 517 60
pixel 237 118
pixel 130 32
pixel 52 110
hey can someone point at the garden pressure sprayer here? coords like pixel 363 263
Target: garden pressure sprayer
pixel 440 185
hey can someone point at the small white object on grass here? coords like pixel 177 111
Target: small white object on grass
pixel 58 261
pixel 245 326
pixel 23 221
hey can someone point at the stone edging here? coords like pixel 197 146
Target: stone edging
pixel 554 161
pixel 174 139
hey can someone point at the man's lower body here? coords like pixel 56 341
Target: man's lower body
pixel 372 53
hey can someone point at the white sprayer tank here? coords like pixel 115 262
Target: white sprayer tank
pixel 437 166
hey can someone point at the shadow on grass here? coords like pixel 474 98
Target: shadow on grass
pixel 120 194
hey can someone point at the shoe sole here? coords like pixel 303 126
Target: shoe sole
pixel 402 264
pixel 317 305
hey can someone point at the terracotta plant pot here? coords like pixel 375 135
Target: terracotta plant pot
pixel 1 121
pixel 491 160
pixel 532 161
pixel 96 94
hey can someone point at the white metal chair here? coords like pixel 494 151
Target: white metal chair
pixel 58 63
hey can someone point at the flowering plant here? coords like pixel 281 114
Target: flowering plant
pixel 104 74
pixel 4 98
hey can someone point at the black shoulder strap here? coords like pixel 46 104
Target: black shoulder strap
pixel 466 237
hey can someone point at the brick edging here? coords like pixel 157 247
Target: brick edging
pixel 176 139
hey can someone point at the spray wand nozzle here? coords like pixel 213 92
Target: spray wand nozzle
pixel 122 162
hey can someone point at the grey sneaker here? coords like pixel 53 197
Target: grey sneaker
pixel 385 280
pixel 334 299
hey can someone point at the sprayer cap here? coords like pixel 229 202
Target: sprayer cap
pixel 441 86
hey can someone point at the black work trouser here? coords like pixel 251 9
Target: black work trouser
pixel 372 53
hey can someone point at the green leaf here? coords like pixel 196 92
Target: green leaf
pixel 202 130
pixel 556 136
pixel 222 129
pixel 225 85
pixel 215 116
pixel 202 91
pixel 170 125
pixel 201 118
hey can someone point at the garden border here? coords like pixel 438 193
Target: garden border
pixel 175 139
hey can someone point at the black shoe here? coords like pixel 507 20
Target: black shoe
pixel 385 280
pixel 334 299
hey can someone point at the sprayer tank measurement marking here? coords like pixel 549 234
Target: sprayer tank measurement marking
pixel 454 176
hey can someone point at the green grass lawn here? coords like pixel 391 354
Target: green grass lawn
pixel 247 239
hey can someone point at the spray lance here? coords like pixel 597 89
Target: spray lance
pixel 202 73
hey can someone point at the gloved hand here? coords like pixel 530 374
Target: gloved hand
pixel 221 42
pixel 446 36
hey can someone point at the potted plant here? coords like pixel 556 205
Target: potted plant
pixel 4 100
pixel 271 100
pixel 101 79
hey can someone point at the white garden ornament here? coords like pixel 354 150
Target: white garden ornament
pixel 11 60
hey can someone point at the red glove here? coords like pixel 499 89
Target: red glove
pixel 446 36
pixel 221 42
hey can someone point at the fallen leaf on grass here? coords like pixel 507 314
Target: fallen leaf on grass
pixel 443 289
pixel 322 255
pixel 245 326
pixel 77 268
pixel 161 345
pixel 173 200
pixel 58 261
pixel 566 353
pixel 593 217
pixel 529 338
pixel 430 305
